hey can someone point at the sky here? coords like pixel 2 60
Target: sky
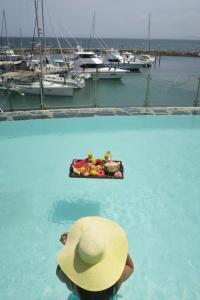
pixel 114 18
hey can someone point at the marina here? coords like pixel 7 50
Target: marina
pixel 46 77
pixel 172 83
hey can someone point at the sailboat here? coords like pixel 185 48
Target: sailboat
pixel 43 82
pixel 46 85
pixel 147 59
pixel 24 82
pixel 49 88
pixel 77 82
pixel 6 53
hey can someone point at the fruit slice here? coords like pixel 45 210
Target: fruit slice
pixel 80 163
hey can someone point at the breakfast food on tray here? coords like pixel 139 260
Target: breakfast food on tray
pixel 97 167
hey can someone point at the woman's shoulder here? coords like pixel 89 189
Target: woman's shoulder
pixel 62 276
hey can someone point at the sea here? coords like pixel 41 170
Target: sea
pixel 120 43
pixel 172 81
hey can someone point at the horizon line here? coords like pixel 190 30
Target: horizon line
pixel 114 38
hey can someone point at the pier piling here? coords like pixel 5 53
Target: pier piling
pixel 196 100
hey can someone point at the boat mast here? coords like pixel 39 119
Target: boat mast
pixel 44 41
pixel 92 32
pixel 41 56
pixel 2 32
pixel 149 33
pixel 4 21
pixel 21 43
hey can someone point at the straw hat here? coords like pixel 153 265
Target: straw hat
pixel 95 253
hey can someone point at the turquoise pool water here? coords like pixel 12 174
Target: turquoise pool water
pixel 157 203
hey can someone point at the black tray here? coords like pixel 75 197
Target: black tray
pixel 73 175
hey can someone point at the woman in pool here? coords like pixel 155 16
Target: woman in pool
pixel 94 261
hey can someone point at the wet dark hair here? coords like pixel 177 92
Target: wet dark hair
pixel 83 294
pixel 100 295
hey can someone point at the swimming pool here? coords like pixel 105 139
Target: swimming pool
pixel 157 203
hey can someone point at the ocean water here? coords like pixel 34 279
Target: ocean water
pixel 157 203
pixel 156 44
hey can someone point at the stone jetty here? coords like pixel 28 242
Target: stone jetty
pixel 158 52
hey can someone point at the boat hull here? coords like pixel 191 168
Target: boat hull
pixel 127 66
pixel 106 73
pixel 74 83
pixel 106 76
pixel 47 91
pixel 50 89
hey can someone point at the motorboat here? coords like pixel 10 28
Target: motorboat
pixel 112 57
pixel 146 59
pixel 128 56
pixel 7 54
pixel 88 62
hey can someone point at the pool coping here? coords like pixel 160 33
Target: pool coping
pixel 90 112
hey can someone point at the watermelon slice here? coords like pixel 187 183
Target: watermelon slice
pixel 80 163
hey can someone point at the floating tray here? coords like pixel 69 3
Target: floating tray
pixel 73 175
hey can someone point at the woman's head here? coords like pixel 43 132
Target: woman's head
pixel 95 254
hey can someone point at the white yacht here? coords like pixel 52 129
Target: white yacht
pixel 7 54
pixel 145 59
pixel 88 62
pixel 112 57
pixel 148 60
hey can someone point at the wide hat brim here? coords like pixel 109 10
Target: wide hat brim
pixel 108 270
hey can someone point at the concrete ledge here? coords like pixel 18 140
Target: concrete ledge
pixel 90 112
